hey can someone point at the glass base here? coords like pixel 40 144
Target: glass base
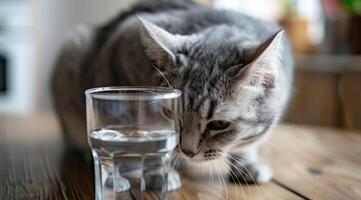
pixel 132 176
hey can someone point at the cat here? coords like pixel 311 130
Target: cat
pixel 235 73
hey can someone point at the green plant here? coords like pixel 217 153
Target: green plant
pixel 351 6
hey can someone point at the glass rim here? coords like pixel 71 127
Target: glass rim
pixel 157 93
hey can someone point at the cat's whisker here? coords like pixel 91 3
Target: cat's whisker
pixel 237 161
pixel 219 178
pixel 209 177
pixel 249 173
pixel 153 101
pixel 223 180
pixel 238 182
pixel 221 175
pixel 238 170
pixel 202 167
pixel 235 180
pixel 211 170
pixel 208 174
pixel 161 73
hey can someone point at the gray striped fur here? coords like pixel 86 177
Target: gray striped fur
pixel 229 66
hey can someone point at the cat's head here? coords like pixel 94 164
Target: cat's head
pixel 230 88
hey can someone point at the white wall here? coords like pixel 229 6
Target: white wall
pixel 52 19
pixel 16 43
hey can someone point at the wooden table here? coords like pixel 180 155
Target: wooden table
pixel 308 162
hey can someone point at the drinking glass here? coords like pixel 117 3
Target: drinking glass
pixel 132 132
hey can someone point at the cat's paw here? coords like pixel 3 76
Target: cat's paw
pixel 254 172
pixel 153 180
pixel 174 181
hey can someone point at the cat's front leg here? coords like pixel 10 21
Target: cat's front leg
pixel 154 178
pixel 246 167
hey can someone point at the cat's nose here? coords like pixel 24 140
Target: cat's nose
pixel 190 154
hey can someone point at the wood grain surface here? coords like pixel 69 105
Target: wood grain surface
pixel 309 163
pixel 317 163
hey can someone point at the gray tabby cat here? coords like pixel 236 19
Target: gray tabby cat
pixel 235 73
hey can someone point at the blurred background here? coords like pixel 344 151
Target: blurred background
pixel 326 38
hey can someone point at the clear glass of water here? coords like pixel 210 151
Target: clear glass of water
pixel 132 132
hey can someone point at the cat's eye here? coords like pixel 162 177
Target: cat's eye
pixel 218 125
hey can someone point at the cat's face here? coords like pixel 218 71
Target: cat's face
pixel 229 100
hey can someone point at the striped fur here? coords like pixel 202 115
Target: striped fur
pixel 229 66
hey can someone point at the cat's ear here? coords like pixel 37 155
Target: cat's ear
pixel 263 70
pixel 160 45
